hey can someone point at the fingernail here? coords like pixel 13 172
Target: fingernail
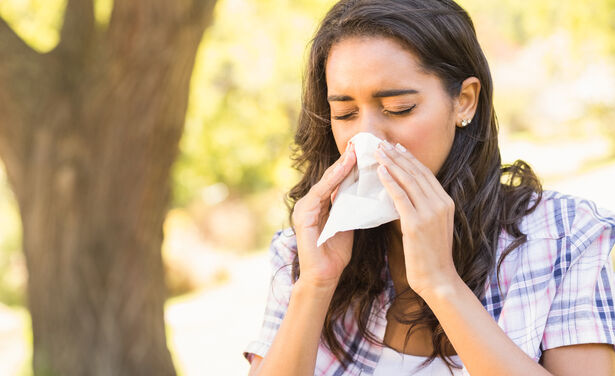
pixel 400 147
pixel 350 148
pixel 387 145
pixel 347 146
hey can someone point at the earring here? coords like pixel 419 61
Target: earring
pixel 465 122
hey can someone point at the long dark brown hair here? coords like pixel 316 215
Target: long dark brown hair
pixel 488 196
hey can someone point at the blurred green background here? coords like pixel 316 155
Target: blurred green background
pixel 553 65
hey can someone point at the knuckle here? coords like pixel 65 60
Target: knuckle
pixel 398 193
pixel 326 189
pixel 424 169
pixel 330 175
pixel 333 168
pixel 450 203
pixel 328 171
pixel 441 208
pixel 411 228
pixel 317 188
pixel 423 219
pixel 407 179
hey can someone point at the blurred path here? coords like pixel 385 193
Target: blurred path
pixel 14 350
pixel 210 329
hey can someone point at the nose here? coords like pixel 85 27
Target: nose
pixel 372 123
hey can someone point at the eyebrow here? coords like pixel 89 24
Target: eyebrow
pixel 378 94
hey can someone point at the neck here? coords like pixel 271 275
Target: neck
pixel 396 258
pixel 396 246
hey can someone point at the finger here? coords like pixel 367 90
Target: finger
pixel 337 188
pixel 412 168
pixel 334 175
pixel 334 193
pixel 402 202
pixel 421 168
pixel 440 196
pixel 405 179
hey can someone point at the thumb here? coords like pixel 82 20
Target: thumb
pixel 334 194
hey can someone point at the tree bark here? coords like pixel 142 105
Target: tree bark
pixel 88 134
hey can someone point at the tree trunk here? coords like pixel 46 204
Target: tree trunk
pixel 88 134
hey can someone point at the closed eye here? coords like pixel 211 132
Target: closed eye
pixel 344 117
pixel 402 112
pixel 394 113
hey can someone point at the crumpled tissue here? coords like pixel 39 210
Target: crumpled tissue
pixel 361 200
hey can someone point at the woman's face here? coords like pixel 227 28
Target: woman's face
pixel 375 85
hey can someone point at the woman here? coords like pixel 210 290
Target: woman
pixel 483 274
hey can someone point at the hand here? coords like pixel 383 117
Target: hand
pixel 426 218
pixel 322 266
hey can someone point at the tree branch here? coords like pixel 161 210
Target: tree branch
pixel 202 12
pixel 19 70
pixel 143 24
pixel 13 47
pixel 78 28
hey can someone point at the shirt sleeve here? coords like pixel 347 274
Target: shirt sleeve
pixel 282 252
pixel 582 310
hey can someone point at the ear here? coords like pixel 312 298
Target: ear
pixel 467 101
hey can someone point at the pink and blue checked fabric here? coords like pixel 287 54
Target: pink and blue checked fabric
pixel 557 288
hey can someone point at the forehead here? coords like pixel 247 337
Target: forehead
pixel 355 62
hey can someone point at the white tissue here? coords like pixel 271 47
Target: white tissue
pixel 361 200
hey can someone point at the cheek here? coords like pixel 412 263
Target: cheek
pixel 429 143
pixel 341 138
pixel 419 143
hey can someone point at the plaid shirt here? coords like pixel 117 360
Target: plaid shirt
pixel 557 288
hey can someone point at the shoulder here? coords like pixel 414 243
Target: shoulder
pixel 568 223
pixel 561 277
pixel 283 247
pixel 560 215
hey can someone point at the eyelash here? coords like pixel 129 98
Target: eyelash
pixel 394 113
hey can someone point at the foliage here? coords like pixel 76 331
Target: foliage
pixel 522 21
pixel 12 266
pixel 245 97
